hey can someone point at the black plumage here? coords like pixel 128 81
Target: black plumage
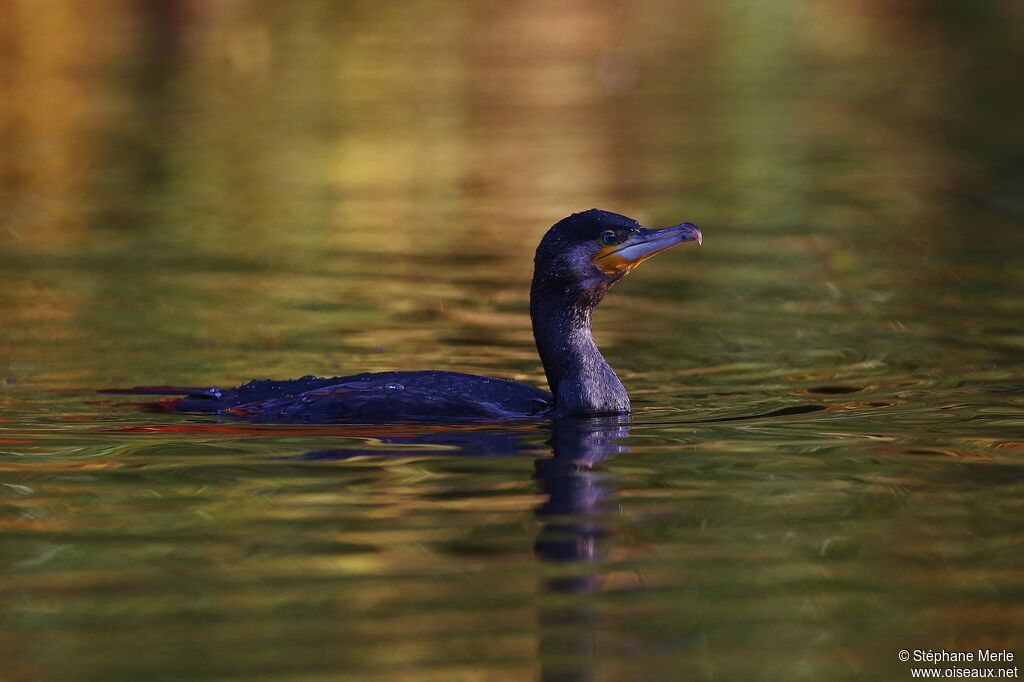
pixel 576 263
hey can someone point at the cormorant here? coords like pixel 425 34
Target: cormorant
pixel 577 261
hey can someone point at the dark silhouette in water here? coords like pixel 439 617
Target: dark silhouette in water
pixel 578 492
pixel 576 489
pixel 570 478
pixel 576 263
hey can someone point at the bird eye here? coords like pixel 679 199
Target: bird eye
pixel 608 237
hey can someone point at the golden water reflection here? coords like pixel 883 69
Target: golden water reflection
pixel 196 192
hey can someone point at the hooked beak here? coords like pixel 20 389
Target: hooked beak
pixel 620 259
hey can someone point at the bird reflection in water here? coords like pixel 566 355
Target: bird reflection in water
pixel 578 493
pixel 577 490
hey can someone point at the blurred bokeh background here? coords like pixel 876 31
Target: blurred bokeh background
pixel 204 192
pixel 159 149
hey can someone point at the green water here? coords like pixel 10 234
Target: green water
pixel 826 460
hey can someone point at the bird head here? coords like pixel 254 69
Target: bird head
pixel 586 253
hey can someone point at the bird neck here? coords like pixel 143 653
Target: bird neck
pixel 580 378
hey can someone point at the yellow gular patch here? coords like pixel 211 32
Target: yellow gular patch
pixel 614 260
pixel 611 263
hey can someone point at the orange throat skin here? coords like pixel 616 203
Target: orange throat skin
pixel 614 261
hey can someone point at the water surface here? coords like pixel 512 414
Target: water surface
pixel 825 461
